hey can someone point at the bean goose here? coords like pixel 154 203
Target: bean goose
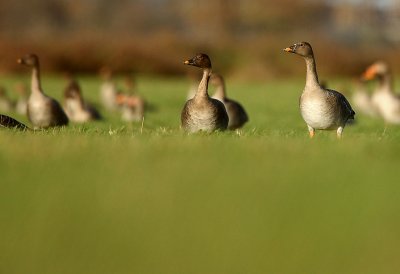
pixel 202 113
pixel 43 111
pixel 384 99
pixel 75 107
pixel 322 109
pixel 236 113
pixel 108 90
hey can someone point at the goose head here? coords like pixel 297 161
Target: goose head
pixel 217 80
pixel 303 49
pixel 73 91
pixel 30 60
pixel 201 60
pixel 377 69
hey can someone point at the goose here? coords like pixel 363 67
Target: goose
pixel 6 105
pixel 236 113
pixel 75 107
pixel 322 109
pixel 202 113
pixel 43 111
pixel 22 101
pixel 132 107
pixel 8 122
pixel 108 90
pixel 131 104
pixel 384 99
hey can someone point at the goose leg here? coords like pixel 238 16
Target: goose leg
pixel 311 131
pixel 339 132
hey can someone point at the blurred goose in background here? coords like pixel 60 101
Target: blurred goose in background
pixel 6 105
pixel 321 108
pixel 8 122
pixel 43 111
pixel 108 90
pixel 236 113
pixel 362 99
pixel 384 99
pixel 132 107
pixel 22 102
pixel 75 107
pixel 203 113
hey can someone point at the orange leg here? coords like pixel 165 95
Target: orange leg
pixel 339 132
pixel 311 131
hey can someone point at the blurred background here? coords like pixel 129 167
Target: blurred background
pixel 244 38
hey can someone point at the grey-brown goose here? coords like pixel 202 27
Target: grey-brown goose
pixel 75 107
pixel 43 111
pixel 8 122
pixel 321 108
pixel 384 99
pixel 108 89
pixel 202 113
pixel 236 113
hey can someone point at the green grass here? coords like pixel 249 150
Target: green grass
pixel 109 198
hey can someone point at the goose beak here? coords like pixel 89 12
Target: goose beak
pixel 369 74
pixel 290 49
pixel 186 62
pixel 19 61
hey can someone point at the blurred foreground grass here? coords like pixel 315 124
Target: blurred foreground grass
pixel 109 198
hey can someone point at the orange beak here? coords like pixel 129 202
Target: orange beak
pixel 288 49
pixel 186 62
pixel 369 74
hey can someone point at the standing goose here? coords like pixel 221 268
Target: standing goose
pixel 202 113
pixel 8 122
pixel 108 90
pixel 236 113
pixel 321 108
pixel 75 107
pixel 384 99
pixel 43 111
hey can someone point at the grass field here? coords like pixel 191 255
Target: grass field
pixel 109 197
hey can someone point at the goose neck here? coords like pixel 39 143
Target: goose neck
pixel 35 83
pixel 311 76
pixel 220 93
pixel 202 91
pixel 386 82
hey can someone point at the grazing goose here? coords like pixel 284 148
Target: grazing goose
pixel 321 108
pixel 43 111
pixel 203 113
pixel 108 90
pixel 75 107
pixel 384 99
pixel 22 102
pixel 8 122
pixel 132 107
pixel 236 113
pixel 6 105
